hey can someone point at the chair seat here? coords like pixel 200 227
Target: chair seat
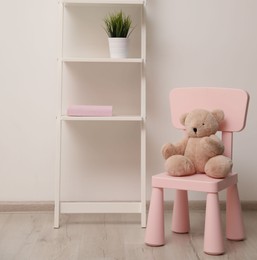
pixel 197 182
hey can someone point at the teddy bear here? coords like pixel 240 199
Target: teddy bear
pixel 201 151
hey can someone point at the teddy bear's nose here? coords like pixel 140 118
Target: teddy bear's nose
pixel 195 129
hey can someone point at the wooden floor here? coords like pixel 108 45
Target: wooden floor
pixel 110 236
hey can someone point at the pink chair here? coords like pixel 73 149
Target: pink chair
pixel 234 103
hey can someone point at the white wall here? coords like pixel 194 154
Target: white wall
pixel 189 43
pixel 28 79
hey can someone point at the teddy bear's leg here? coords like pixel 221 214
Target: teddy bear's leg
pixel 218 167
pixel 179 165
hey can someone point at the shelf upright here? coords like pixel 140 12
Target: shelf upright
pixel 143 114
pixel 57 185
pixel 101 207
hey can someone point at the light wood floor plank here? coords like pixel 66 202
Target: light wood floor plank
pixel 31 236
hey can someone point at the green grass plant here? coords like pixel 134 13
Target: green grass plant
pixel 118 25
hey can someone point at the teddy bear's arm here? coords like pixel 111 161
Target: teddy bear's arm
pixel 171 149
pixel 212 145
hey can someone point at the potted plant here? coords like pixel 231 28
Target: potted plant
pixel 118 27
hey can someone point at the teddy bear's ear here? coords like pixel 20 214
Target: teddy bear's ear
pixel 182 119
pixel 218 114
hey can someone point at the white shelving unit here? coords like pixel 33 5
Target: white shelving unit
pixel 99 57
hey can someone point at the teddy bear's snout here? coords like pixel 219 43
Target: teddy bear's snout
pixel 195 129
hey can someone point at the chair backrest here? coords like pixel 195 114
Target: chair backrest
pixel 234 103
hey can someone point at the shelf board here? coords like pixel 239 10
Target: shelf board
pixel 101 118
pixel 81 2
pixel 104 60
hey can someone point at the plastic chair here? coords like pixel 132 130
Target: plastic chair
pixel 234 103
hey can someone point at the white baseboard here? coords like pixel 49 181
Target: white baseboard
pixel 26 206
pixel 200 205
pixel 48 206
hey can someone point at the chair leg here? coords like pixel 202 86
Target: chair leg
pixel 180 215
pixel 155 225
pixel 234 218
pixel 213 238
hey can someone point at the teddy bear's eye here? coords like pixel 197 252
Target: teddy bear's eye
pixel 202 123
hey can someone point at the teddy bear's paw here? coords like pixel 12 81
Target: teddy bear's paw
pixel 168 150
pixel 218 167
pixel 179 165
pixel 211 146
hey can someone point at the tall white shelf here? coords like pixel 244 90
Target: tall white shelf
pixel 139 60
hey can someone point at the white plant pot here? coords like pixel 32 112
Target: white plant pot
pixel 118 47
